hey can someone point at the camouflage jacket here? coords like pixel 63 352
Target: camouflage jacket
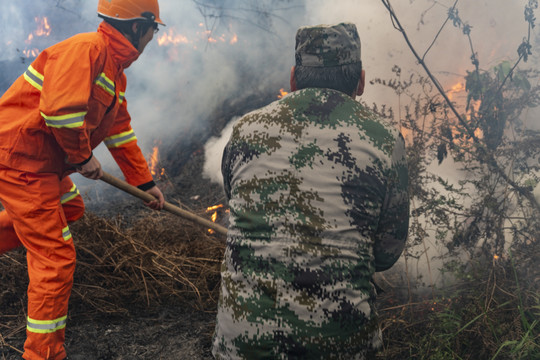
pixel 317 190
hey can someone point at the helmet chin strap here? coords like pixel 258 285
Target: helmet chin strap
pixel 141 29
pixel 136 36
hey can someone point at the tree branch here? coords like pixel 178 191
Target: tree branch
pixel 485 154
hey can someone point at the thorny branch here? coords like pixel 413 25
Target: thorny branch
pixel 482 148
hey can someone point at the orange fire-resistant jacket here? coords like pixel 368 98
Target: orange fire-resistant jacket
pixel 69 100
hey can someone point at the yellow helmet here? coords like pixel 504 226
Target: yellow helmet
pixel 130 10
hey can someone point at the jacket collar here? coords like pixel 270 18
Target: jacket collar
pixel 121 50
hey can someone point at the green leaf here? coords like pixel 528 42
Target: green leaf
pixel 502 70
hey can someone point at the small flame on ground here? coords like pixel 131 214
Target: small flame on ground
pixel 43 29
pixel 496 257
pixel 212 39
pixel 30 52
pixel 214 214
pixel 153 162
pixel 282 93
pixel 154 158
pixel 215 207
pixel 172 37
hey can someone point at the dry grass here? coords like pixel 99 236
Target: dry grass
pixel 491 311
pixel 159 258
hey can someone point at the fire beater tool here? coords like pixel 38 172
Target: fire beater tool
pixel 130 189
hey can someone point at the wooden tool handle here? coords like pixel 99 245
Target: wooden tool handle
pixel 130 189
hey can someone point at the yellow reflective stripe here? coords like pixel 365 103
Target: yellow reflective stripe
pixel 122 96
pixel 120 139
pixel 33 77
pixel 67 121
pixel 46 326
pixel 106 83
pixel 70 195
pixel 66 234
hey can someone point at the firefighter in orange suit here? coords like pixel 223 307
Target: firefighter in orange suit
pixel 69 100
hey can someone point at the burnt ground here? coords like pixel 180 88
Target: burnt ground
pixel 116 313
pixel 145 333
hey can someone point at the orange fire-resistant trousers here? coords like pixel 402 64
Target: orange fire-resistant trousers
pixel 38 208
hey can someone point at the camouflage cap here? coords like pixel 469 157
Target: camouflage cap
pixel 327 45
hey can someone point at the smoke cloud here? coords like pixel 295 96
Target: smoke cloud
pixel 231 49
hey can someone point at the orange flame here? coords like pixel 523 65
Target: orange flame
pixel 282 93
pixel 31 53
pixel 171 38
pixel 43 29
pixel 210 39
pixel 479 133
pixel 473 107
pixel 215 207
pixel 154 158
pixel 153 161
pixel 457 88
pixel 214 215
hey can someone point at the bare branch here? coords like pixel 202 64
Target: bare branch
pixel 486 155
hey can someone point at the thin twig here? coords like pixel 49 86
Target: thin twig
pixel 4 343
pixel 438 33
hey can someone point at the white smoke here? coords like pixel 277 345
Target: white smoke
pixel 173 88
pixel 497 29
pixel 213 152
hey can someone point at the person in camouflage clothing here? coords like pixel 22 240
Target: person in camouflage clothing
pixel 317 189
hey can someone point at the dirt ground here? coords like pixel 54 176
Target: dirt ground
pixel 153 333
